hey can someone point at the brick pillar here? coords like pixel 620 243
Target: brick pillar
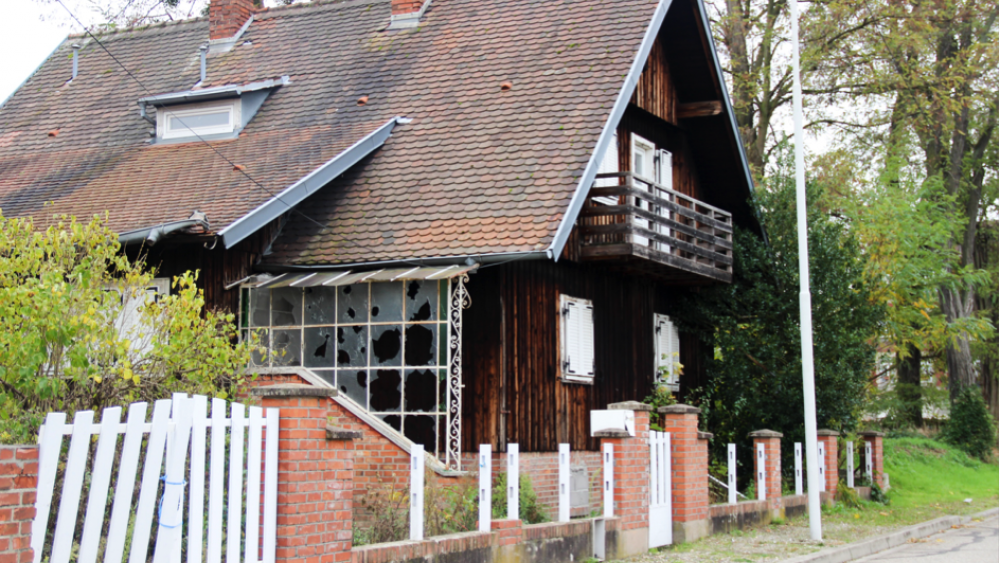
pixel 226 17
pixel 631 479
pixel 315 476
pixel 772 467
pixel 875 439
pixel 689 472
pixel 18 484
pixel 829 439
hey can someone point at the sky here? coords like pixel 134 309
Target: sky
pixel 26 40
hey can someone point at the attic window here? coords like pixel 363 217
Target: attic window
pixel 198 120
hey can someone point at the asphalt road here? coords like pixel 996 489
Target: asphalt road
pixel 975 542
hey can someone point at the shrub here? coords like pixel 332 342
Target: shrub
pixel 971 426
pixel 529 511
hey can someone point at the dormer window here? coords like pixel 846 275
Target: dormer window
pixel 220 112
pixel 197 120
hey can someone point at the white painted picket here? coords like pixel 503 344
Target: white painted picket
pixel 660 490
pixel 173 449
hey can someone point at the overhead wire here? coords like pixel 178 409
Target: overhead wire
pixel 240 169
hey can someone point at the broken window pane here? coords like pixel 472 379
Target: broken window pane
pixel 393 420
pixel 259 338
pixel 260 307
pixel 352 303
pixel 386 392
pixel 420 391
pixel 286 347
pixel 443 344
pixel 387 302
pixel 442 390
pixel 421 300
pixel 286 306
pixel 320 347
pixel 320 305
pixel 354 384
pixel 422 429
pixel 352 346
pixel 421 345
pixel 244 307
pixel 387 345
pixel 443 299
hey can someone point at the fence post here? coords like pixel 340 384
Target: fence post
pixel 315 476
pixel 798 468
pixel 761 472
pixel 831 472
pixel 822 465
pixel 485 486
pixel 18 489
pixel 609 479
pixel 564 482
pixel 850 464
pixel 689 464
pixel 417 492
pixel 731 480
pixel 868 462
pixel 873 441
pixel 513 482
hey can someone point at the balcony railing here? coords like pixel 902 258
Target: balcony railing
pixel 655 229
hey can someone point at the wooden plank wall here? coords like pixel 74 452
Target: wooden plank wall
pixel 655 91
pixel 511 349
pixel 217 266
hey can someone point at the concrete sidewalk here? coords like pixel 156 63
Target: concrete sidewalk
pixel 871 546
pixel 975 542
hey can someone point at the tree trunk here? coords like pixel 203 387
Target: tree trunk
pixel 908 387
pixel 958 305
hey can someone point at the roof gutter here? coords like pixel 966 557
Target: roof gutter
pixel 575 204
pixel 152 235
pixel 437 261
pixel 308 185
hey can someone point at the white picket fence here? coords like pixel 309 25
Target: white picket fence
pixel 182 429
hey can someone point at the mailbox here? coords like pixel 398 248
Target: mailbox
pixel 612 420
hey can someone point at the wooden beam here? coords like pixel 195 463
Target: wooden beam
pixel 698 109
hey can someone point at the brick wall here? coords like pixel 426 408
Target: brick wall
pixel 690 463
pixel 829 439
pixel 18 478
pixel 875 439
pixel 771 441
pixel 632 470
pixel 226 17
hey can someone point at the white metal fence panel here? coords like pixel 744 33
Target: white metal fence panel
pixel 869 472
pixel 513 482
pixel 761 473
pixel 170 453
pixel 417 492
pixel 798 468
pixel 485 487
pixel 850 464
pixel 564 482
pixel 609 480
pixel 822 465
pixel 660 491
pixel 731 473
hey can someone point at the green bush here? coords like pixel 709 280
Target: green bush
pixel 971 426
pixel 529 511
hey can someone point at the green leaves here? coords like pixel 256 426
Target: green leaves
pixel 66 342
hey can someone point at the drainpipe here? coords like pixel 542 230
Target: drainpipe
pixel 152 235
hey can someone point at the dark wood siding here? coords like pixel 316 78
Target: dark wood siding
pixel 217 266
pixel 655 91
pixel 511 348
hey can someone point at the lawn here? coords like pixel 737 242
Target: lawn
pixel 929 479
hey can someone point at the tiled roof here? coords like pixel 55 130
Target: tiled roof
pixel 479 169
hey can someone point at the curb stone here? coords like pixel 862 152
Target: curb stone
pixel 853 551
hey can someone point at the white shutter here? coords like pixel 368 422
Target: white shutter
pixel 577 338
pixel 668 347
pixel 665 169
pixel 609 164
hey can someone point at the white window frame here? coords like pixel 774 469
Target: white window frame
pixel 666 343
pixel 573 310
pixel 164 115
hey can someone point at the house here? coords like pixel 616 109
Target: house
pixel 470 216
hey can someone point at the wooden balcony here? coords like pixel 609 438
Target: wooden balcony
pixel 644 227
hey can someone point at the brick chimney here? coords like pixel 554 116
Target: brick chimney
pixel 407 13
pixel 226 17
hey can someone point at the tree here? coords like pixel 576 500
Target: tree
pixel 754 379
pixel 77 330
pixel 929 72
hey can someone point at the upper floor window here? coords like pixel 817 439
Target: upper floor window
pixel 667 344
pixel 576 338
pixel 198 120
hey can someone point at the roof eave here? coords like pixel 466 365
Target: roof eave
pixel 306 186
pixel 624 95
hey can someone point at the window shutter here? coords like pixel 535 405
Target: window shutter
pixel 665 170
pixel 667 347
pixel 609 164
pixel 129 322
pixel 577 337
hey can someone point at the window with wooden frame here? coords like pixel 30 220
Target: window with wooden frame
pixel 576 339
pixel 667 344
